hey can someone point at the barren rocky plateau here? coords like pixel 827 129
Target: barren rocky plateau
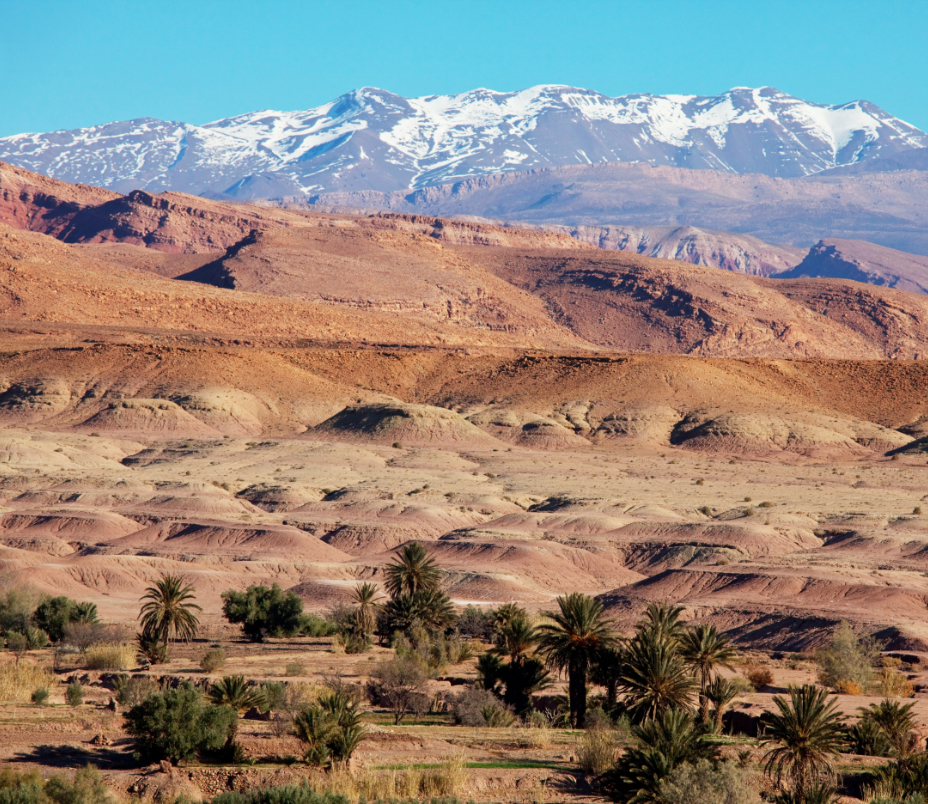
pixel 244 394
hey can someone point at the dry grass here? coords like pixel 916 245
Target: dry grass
pixel 110 657
pixel 597 750
pixel 448 780
pixel 18 681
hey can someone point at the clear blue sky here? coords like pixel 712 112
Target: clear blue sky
pixel 68 64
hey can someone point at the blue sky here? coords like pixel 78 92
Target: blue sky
pixel 67 64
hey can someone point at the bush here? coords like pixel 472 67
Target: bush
pixel 596 750
pixel 846 658
pixel 295 669
pixel 708 783
pixel 399 685
pixel 213 660
pixel 758 676
pixel 264 612
pixel 74 694
pixel 479 708
pixel 177 724
pixel 57 613
pixel 893 684
pixel 86 787
pixel 132 691
pixel 844 686
pixel 40 696
pixel 110 657
pixel 474 623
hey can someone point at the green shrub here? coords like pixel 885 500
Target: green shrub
pixel 87 786
pixel 74 694
pixel 177 724
pixel 40 696
pixel 264 612
pixel 708 783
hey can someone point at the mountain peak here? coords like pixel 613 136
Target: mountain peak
pixel 372 139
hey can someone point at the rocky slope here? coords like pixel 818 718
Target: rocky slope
pixel 862 262
pixel 371 139
pixel 742 254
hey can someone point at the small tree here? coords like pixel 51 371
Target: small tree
pixel 846 658
pixel 176 724
pixel 398 684
pixel 264 612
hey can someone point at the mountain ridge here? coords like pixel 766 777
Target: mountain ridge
pixel 371 139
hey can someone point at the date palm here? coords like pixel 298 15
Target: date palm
pixel 805 736
pixel 516 639
pixel 236 692
pixel 367 598
pixel 169 612
pixel 703 650
pixel 573 639
pixel 655 679
pixel 413 571
pixel 720 692
pixel 662 620
pixel 896 721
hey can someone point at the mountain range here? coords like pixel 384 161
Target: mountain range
pixel 373 140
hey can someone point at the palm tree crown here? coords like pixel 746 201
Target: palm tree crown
pixel 413 571
pixel 169 612
pixel 655 678
pixel 806 737
pixel 572 641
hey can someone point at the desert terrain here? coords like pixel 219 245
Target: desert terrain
pixel 243 395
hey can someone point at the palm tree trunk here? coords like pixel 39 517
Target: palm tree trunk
pixel 718 719
pixel 576 687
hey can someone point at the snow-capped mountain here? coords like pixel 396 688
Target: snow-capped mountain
pixel 370 139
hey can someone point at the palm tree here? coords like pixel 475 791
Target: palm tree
pixel 572 641
pixel 413 571
pixel 607 672
pixel 655 678
pixel 168 614
pixel 896 721
pixel 720 692
pixel 367 598
pixel 662 744
pixel 663 621
pixel 236 692
pixel 703 650
pixel 516 639
pixel 806 737
pixel 86 613
pixel 431 610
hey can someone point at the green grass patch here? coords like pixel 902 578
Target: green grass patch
pixel 522 764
